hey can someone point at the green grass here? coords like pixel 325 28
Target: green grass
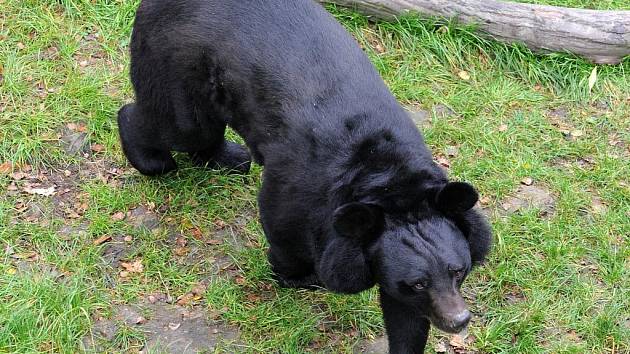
pixel 552 284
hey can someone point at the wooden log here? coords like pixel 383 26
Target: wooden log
pixel 600 36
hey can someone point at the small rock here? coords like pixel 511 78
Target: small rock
pixel 74 143
pixel 528 181
pixel 443 111
pixel 419 116
pixel 452 151
pixel 530 197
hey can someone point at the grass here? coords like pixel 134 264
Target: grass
pixel 555 283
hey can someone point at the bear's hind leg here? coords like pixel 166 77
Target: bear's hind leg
pixel 136 136
pixel 292 273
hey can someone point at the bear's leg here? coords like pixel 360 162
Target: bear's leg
pixel 291 272
pixel 138 143
pixel 407 330
pixel 228 155
pixel 343 267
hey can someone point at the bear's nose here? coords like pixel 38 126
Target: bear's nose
pixel 461 319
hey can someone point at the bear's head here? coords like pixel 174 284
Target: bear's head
pixel 422 258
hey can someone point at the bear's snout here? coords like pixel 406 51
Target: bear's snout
pixel 450 313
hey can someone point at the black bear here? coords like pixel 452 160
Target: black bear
pixel 351 196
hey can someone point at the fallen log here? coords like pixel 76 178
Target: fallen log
pixel 603 37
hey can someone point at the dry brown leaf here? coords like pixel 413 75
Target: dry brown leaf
pixel 6 168
pixel 118 216
pixel 458 341
pixel 214 242
pixel 46 192
pixel 443 161
pixel 101 240
pixel 18 176
pixel 25 255
pixel 97 148
pixel 181 241
pixel 577 133
pixel 440 347
pixel 199 289
pixel 464 75
pixel 196 234
pixel 239 280
pixel 185 299
pixel 134 266
pixel 253 298
pixel 181 251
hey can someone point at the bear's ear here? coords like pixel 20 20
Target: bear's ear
pixel 359 220
pixel 456 197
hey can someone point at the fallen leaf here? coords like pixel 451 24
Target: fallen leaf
pixel 577 133
pixel 185 299
pixel 97 148
pixel 484 200
pixel 173 326
pixel 11 271
pixel 253 298
pixel 47 192
pixel 181 241
pixel 592 79
pixel 18 176
pixel 214 242
pixel 127 238
pixel 443 161
pixel 180 251
pixel 199 289
pixel 118 216
pixel 25 255
pixel 133 267
pixel 20 45
pixel 503 127
pixel 458 341
pixel 239 280
pixel 464 75
pixel 528 181
pixel 101 240
pixel 140 320
pixel 196 234
pixel 6 168
pixel 440 347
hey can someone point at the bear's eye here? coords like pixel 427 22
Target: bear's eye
pixel 420 285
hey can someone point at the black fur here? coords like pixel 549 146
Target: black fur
pixel 350 194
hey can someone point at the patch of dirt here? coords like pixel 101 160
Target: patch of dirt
pixel 374 346
pixel 167 329
pixel 443 111
pixel 419 116
pixel 527 197
pixel 142 218
pixel 74 143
